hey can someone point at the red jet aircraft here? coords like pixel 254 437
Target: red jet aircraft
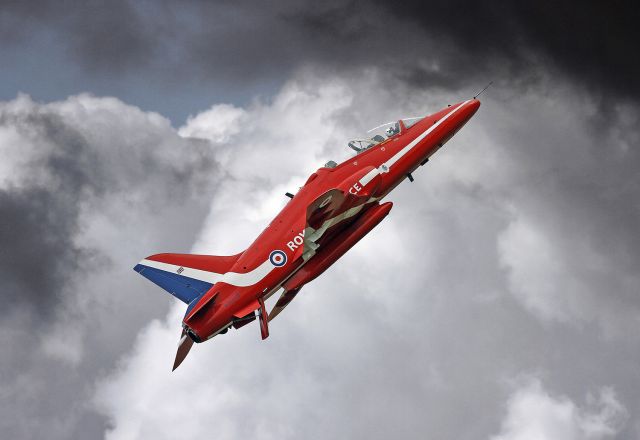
pixel 337 206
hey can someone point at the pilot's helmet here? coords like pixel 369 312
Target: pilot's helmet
pixel 390 131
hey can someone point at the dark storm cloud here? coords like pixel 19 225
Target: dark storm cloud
pixel 39 221
pixel 37 250
pixel 524 230
pixel 41 210
pixel 109 36
pixel 433 43
pixel 88 186
pixel 590 41
pixel 419 327
pixel 40 214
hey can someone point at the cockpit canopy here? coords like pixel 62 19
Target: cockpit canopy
pixel 381 133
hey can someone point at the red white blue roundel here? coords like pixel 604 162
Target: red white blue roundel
pixel 278 258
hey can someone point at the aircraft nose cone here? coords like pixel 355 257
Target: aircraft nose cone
pixel 469 109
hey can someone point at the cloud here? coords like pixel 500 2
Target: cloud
pixel 218 124
pixel 280 142
pixel 285 137
pixel 87 187
pixel 420 324
pixel 516 248
pixel 588 44
pixel 533 413
pixel 470 280
pixel 113 37
pixel 572 239
pixel 450 44
pixel 65 160
pixel 562 276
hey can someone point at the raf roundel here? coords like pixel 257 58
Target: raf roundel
pixel 278 258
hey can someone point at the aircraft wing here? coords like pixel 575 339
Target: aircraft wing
pixel 349 199
pixel 326 211
pixel 338 204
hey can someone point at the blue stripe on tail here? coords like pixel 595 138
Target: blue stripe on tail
pixel 184 288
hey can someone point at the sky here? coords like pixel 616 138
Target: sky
pixel 499 300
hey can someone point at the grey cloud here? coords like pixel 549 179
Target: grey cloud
pixel 583 206
pixel 39 220
pixel 420 330
pixel 110 36
pixel 421 344
pixel 37 249
pixel 447 43
pixel 92 186
pixel 533 412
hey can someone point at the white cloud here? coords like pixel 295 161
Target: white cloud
pixel 274 386
pixel 269 150
pixel 537 273
pixel 414 323
pixel 567 269
pixel 218 124
pixel 535 414
pixel 103 183
pixel 570 239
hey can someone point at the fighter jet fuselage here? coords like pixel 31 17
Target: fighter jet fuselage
pixel 337 206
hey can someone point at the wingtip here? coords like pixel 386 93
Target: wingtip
pixel 138 267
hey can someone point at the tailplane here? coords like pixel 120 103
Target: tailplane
pixel 185 276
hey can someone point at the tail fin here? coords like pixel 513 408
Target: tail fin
pixel 185 276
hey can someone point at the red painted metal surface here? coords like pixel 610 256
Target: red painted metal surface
pixel 334 209
pixel 292 219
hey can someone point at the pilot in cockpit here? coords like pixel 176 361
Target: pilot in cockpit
pixel 360 145
pixel 392 130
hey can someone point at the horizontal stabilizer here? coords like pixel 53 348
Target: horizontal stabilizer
pixel 185 276
pixel 184 288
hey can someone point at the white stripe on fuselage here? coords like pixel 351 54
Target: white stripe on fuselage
pixel 233 278
pixel 383 168
pixel 249 278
